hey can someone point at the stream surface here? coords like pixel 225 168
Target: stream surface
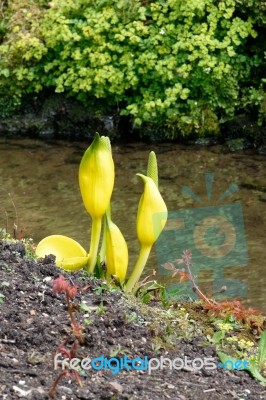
pixel 41 180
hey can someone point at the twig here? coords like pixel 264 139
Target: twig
pixel 15 224
pixel 197 289
pixel 7 340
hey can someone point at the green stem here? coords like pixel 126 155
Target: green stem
pixel 103 249
pixel 102 253
pixel 95 239
pixel 103 246
pixel 138 269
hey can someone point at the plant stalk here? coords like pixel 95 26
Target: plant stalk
pixel 138 269
pixel 95 239
pixel 103 246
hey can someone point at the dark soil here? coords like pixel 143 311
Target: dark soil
pixel 34 321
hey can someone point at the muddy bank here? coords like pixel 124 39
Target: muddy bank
pixel 34 322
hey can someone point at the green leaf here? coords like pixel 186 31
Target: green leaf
pixel 5 72
pixel 154 286
pixel 253 369
pixel 262 349
pixel 85 308
pixel 146 298
pixel 225 357
pixel 2 298
pixel 218 336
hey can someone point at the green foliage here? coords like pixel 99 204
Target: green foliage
pixel 186 65
pixel 262 351
pixel 257 362
pixel 2 297
pixel 20 34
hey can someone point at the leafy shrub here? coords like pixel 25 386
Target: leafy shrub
pixel 187 65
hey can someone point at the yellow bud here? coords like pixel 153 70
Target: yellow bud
pixel 152 213
pixel 96 177
pixel 116 251
pixel 152 170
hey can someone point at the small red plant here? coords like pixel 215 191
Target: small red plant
pixel 184 275
pixel 249 316
pixel 61 285
pixel 252 318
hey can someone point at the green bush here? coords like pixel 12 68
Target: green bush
pixel 186 65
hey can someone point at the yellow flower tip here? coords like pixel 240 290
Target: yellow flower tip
pixel 152 213
pixel 96 176
pixel 116 251
pixel 106 141
pixel 152 170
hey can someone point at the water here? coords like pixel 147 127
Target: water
pixel 41 180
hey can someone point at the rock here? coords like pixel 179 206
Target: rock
pixel 206 142
pixel 65 389
pixel 262 150
pixel 236 144
pixel 20 392
pixel 116 387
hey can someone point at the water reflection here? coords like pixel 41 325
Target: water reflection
pixel 42 181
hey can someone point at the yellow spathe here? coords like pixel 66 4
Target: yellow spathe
pixel 116 251
pixel 70 255
pixel 152 213
pixel 96 176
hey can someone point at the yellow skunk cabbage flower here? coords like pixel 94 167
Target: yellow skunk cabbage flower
pixel 152 170
pixel 96 176
pixel 70 255
pixel 151 219
pixel 96 181
pixel 116 251
pixel 152 213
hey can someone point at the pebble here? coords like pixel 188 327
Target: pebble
pixel 20 392
pixel 116 387
pixel 47 279
pixel 170 386
pixel 65 389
